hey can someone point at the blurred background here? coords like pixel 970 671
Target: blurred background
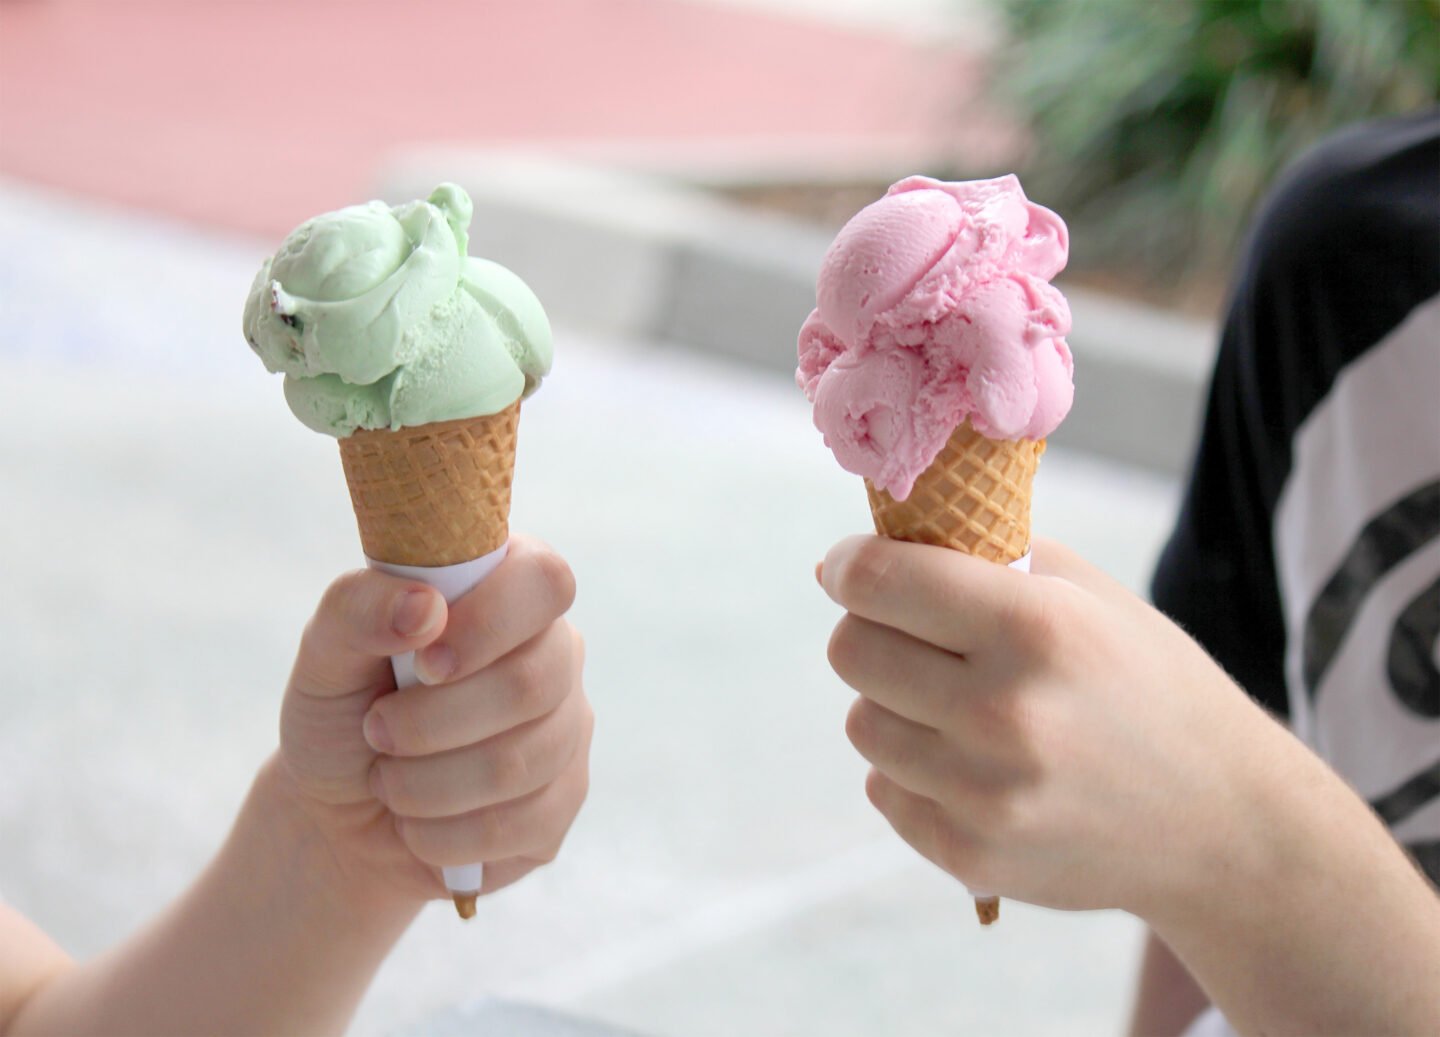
pixel 666 174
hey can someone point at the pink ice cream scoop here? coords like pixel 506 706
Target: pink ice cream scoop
pixel 933 307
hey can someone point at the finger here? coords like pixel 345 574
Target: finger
pixel 902 673
pixel 923 824
pixel 523 686
pixel 949 599
pixel 910 755
pixel 529 590
pixel 364 618
pixel 981 712
pixel 531 827
pixel 505 767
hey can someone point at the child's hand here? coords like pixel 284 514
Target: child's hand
pixel 488 761
pixel 1049 737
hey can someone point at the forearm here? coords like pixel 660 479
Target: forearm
pixel 1167 998
pixel 272 938
pixel 29 959
pixel 1316 921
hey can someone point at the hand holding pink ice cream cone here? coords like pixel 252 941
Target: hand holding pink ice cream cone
pixel 937 363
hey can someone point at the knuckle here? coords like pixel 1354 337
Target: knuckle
pixel 412 728
pixel 366 605
pixel 342 590
pixel 545 839
pixel 1039 623
pixel 507 768
pixel 425 840
pixel 556 745
pixel 1017 728
pixel 876 789
pixel 1039 740
pixel 989 817
pixel 345 607
pixel 488 628
pixel 1014 613
pixel 864 574
pixel 1000 713
pixel 582 793
pixel 500 828
pixel 842 651
pixel 860 725
pixel 558 579
pixel 395 781
pixel 955 849
pixel 529 680
pixel 554 822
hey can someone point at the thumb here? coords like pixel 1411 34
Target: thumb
pixel 364 618
pixel 342 666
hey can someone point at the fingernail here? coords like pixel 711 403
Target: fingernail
pixel 819 568
pixel 377 786
pixel 434 664
pixel 414 612
pixel 376 733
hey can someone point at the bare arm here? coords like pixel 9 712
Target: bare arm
pixel 28 960
pixel 271 939
pixel 1054 739
pixel 343 835
pixel 1321 925
pixel 1168 999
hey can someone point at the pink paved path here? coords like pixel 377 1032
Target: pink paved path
pixel 255 115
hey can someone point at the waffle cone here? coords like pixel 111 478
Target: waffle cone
pixel 437 494
pixel 974 497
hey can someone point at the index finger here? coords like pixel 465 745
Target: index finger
pixel 949 599
pixel 528 591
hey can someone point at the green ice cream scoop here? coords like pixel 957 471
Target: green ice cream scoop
pixel 379 319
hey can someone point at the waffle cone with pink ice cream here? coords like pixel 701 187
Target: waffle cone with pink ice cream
pixel 937 363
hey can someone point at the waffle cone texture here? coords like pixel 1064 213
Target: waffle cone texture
pixel 437 494
pixel 974 497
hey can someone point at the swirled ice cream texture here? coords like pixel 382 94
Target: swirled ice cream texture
pixel 934 307
pixel 379 318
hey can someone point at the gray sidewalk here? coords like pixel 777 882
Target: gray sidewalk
pixel 172 526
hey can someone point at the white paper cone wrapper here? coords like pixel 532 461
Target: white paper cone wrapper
pixel 1023 564
pixel 452 581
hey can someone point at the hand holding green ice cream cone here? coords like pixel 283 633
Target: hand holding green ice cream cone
pixel 415 355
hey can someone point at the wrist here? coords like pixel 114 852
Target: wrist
pixel 1309 916
pixel 306 841
pixel 271 913
pixel 1244 833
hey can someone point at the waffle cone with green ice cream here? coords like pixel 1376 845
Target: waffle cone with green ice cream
pixel 937 363
pixel 434 495
pixel 416 357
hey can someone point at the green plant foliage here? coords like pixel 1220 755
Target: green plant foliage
pixel 1157 124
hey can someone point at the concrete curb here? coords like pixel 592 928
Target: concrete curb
pixel 642 256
